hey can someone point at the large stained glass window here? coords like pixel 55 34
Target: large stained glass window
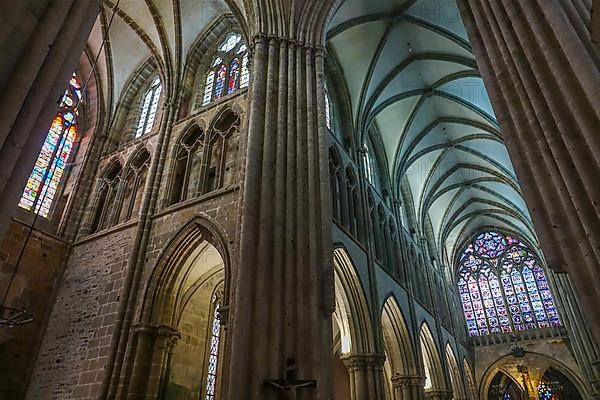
pixel 503 287
pixel 52 160
pixel 213 357
pixel 227 73
pixel 149 107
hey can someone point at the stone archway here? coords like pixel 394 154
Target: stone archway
pixel 433 369
pixel 503 385
pixel 527 371
pixel 402 377
pixel 472 389
pixel 201 293
pixel 456 380
pixel 357 366
pixel 186 293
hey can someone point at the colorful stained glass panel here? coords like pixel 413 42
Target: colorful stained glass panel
pixel 52 160
pixel 503 287
pixel 220 84
pixel 234 76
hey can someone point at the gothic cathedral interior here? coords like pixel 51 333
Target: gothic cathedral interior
pixel 300 199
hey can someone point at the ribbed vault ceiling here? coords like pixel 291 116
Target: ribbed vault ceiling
pixel 410 73
pixel 163 29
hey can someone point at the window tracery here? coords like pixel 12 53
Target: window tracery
pixel 149 107
pixel 213 356
pixel 56 150
pixel 229 69
pixel 108 189
pixel 503 287
pixel 205 162
pixel 370 165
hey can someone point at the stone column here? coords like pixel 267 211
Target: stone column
pixel 401 385
pixel 153 347
pixel 284 297
pixel 366 375
pixel 417 387
pixel 542 73
pixel 408 387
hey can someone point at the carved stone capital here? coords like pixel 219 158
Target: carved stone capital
pixel 363 361
pixel 318 50
pixel 439 395
pixel 156 331
pixel 399 380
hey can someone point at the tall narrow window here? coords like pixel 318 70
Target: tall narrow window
pixel 370 171
pixel 234 76
pixel 245 78
pixel 208 87
pixel 226 73
pixel 221 77
pixel 503 287
pixel 213 357
pixel 52 160
pixel 149 107
pixel 327 108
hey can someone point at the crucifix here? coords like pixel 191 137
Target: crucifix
pixel 290 384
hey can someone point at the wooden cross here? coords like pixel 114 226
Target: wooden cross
pixel 290 384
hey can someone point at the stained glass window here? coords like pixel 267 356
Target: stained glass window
pixel 149 107
pixel 245 79
pixel 221 76
pixel 234 76
pixel 545 392
pixel 213 357
pixel 503 287
pixel 231 40
pixel 208 87
pixel 225 74
pixel 52 160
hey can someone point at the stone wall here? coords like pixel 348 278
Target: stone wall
pixel 76 343
pixel 188 368
pixel 33 287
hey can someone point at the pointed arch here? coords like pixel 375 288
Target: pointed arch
pixel 352 311
pixel 337 184
pixel 432 363
pixel 47 174
pixel 503 286
pixel 471 386
pixel 456 381
pixel 131 191
pixel 106 192
pixel 127 109
pixel 187 297
pixel 400 361
pixel 162 300
pixel 222 148
pixel 509 365
pixel 186 165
